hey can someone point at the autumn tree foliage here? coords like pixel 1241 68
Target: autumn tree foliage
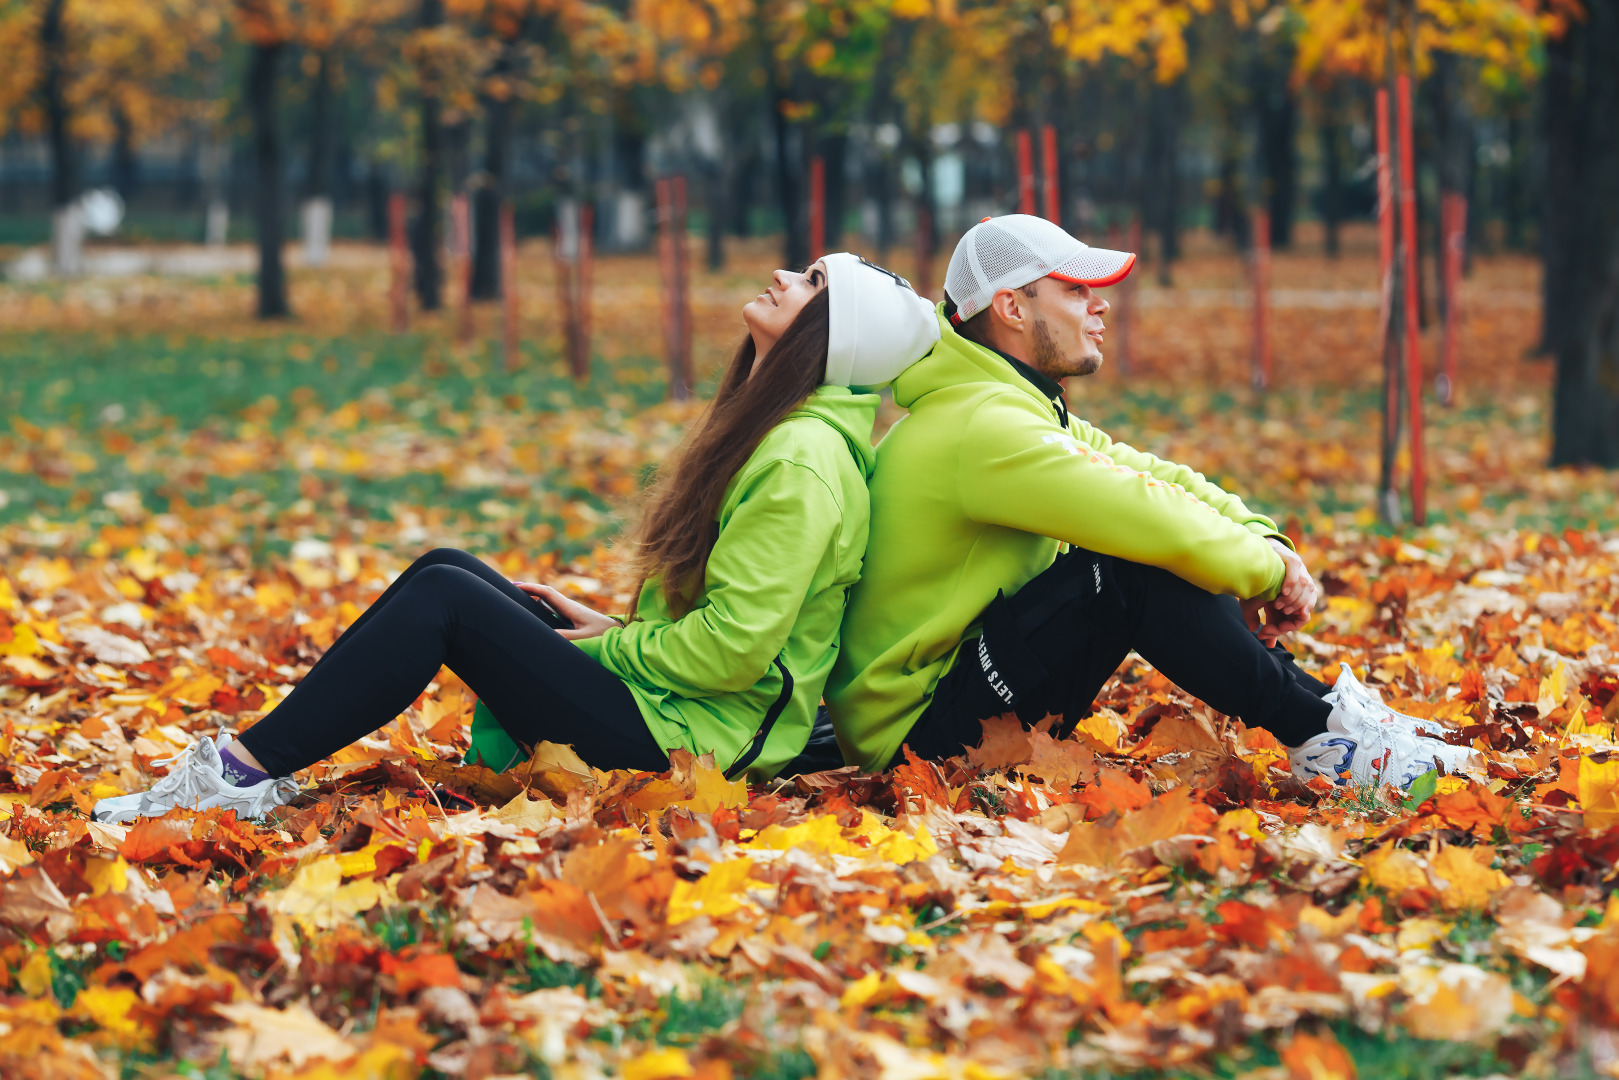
pixel 98 69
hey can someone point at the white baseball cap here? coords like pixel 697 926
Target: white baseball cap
pixel 1010 251
pixel 879 325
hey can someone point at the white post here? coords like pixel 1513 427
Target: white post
pixel 316 216
pixel 67 240
pixel 217 223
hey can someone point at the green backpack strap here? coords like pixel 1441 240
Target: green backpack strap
pixel 491 746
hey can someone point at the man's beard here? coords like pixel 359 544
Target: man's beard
pixel 1050 360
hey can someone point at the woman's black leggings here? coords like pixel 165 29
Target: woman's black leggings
pixel 451 609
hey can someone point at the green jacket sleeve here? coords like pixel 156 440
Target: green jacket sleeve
pixel 1230 506
pixel 1019 473
pixel 759 573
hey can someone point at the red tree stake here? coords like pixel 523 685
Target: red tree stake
pixel 398 264
pixel 817 207
pixel 1261 283
pixel 671 259
pixel 508 286
pixel 924 252
pixel 1388 497
pixel 1048 164
pixel 583 291
pixel 1025 173
pixel 461 253
pixel 1413 327
pixel 1453 224
pixel 568 251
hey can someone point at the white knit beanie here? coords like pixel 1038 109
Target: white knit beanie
pixel 879 325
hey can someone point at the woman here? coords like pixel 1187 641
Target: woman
pixel 746 549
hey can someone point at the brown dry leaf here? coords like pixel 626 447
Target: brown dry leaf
pixel 263 1037
pixel 30 900
pixel 1005 743
pixel 1170 814
pixel 1452 1001
pixel 1062 765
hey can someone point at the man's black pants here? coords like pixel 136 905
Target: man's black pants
pixel 1051 647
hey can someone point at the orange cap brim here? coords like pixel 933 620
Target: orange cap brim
pixel 1096 283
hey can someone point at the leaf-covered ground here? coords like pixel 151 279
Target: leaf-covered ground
pixel 195 507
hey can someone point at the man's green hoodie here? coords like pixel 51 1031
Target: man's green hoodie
pixel 971 495
pixel 741 673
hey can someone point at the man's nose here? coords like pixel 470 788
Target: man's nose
pixel 1100 306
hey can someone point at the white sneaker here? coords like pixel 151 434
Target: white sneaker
pixel 196 781
pixel 1373 744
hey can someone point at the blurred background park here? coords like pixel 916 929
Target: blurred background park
pixel 412 271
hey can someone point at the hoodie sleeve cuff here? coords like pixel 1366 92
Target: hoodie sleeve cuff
pixel 1266 528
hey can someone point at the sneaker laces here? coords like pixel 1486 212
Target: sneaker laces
pixel 182 780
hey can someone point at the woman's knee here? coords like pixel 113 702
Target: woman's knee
pixel 444 556
pixel 441 581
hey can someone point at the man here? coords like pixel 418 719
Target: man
pixel 1017 554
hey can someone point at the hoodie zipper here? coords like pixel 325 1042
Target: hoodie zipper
pixel 756 745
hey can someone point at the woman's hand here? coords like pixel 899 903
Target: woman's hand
pixel 587 622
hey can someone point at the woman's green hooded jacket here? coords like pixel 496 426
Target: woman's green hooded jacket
pixel 741 673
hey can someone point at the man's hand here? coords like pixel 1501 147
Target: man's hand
pixel 1299 590
pixel 1294 604
pixel 587 622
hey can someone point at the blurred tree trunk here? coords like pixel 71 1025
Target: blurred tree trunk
pixel 789 189
pixel 1330 132
pixel 498 117
pixel 429 275
pixel 1456 153
pixel 1230 209
pixel 1277 107
pixel 1518 181
pixel 741 183
pixel 880 185
pixel 261 102
pixel 834 147
pixel 125 166
pixel 1585 418
pixel 715 184
pixel 1559 211
pixel 1161 193
pixel 67 233
pixel 376 200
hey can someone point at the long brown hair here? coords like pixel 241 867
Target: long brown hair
pixel 679 522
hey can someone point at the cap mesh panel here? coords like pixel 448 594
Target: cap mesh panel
pixel 1000 254
pixel 1092 264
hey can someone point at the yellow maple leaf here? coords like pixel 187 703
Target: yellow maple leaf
pixel 108 1008
pixel 35 975
pixel 24 642
pixel 1553 689
pixel 711 790
pixel 716 894
pixel 1598 784
pixel 317 900
pixel 1394 869
pixel 666 1063
pixel 1469 883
